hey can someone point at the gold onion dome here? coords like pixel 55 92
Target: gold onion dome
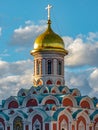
pixel 49 41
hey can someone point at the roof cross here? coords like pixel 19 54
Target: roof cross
pixel 48 8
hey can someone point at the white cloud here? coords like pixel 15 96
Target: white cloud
pixel 14 76
pixel 25 35
pixel 82 51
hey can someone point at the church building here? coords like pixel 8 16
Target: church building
pixel 49 104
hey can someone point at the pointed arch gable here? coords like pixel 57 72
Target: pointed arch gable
pixel 44 89
pixel 64 116
pixel 55 90
pixel 11 102
pixel 32 90
pixel 65 90
pixel 30 100
pixel 49 82
pixel 83 116
pixel 69 100
pixel 22 92
pixel 86 102
pixel 76 92
pixel 50 100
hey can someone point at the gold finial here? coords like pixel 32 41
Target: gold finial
pixel 48 8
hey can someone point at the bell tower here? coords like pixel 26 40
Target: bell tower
pixel 49 52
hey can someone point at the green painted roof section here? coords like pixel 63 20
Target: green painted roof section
pixel 24 114
pixel 75 113
pixel 95 101
pixel 4 115
pixel 55 115
pixel 93 114
pixel 3 102
pixel 61 88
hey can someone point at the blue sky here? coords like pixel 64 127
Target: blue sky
pixel 76 21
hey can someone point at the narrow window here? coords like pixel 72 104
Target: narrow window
pixel 49 66
pixel 59 67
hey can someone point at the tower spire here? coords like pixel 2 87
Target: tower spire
pixel 48 8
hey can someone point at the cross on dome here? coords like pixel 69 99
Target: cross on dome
pixel 48 8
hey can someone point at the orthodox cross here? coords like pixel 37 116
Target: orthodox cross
pixel 48 8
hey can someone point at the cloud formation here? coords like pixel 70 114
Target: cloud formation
pixel 25 35
pixel 14 76
pixel 82 50
pixel 82 64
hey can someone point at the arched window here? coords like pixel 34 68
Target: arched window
pixel 1 126
pixel 37 125
pixel 49 67
pixel 17 123
pixel 59 68
pixel 63 125
pixel 81 126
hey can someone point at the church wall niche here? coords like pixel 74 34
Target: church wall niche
pixel 31 102
pixel 79 120
pixel 18 123
pixel 85 104
pixel 13 104
pixel 37 122
pixel 50 101
pixel 67 102
pixel 61 119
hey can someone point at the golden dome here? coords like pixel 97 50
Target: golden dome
pixel 49 41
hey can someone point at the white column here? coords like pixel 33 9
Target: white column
pixel 43 67
pixel 55 66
